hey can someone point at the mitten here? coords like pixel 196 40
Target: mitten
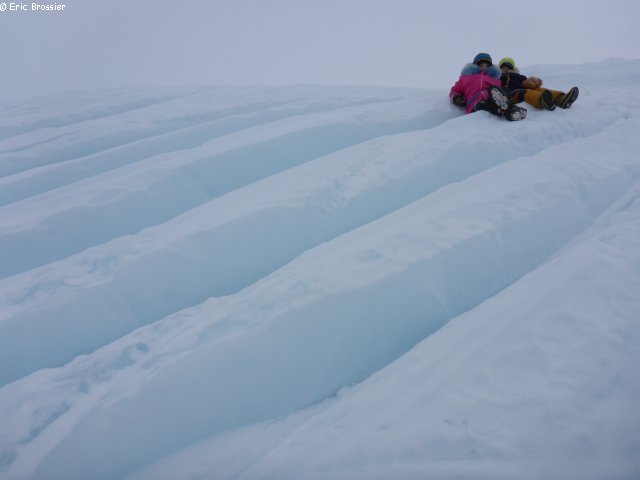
pixel 458 100
pixel 532 83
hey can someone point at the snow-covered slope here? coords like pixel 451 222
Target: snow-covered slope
pixel 220 282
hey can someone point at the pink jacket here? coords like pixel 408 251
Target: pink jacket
pixel 473 84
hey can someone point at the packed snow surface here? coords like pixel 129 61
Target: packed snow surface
pixel 321 283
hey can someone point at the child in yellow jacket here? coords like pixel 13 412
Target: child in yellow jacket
pixel 529 89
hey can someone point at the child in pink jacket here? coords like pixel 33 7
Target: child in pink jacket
pixel 478 88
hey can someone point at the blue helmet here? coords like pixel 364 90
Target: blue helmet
pixel 482 56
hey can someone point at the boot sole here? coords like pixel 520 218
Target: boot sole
pixel 499 98
pixel 569 97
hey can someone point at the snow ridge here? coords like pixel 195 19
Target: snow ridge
pixel 200 262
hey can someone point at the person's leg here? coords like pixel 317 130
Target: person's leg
pixel 517 96
pixel 499 97
pixel 541 98
pixel 532 97
pixel 498 104
pixel 555 94
pixel 493 100
pixel 487 106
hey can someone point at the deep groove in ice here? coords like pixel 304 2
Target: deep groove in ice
pixel 217 257
pixel 321 330
pixel 191 183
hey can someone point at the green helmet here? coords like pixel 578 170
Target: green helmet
pixel 510 61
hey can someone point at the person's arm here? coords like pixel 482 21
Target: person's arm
pixel 456 95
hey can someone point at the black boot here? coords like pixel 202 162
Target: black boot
pixel 515 113
pixel 566 99
pixel 546 99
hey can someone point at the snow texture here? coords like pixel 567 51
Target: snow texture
pixel 321 283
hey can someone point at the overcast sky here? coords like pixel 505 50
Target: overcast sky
pixel 101 43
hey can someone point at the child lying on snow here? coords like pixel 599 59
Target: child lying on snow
pixel 478 88
pixel 521 88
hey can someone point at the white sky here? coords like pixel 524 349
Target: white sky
pixel 101 43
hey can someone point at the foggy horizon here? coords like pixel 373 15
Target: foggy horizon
pixel 404 43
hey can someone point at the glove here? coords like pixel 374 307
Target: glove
pixel 458 100
pixel 532 83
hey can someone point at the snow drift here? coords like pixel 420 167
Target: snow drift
pixel 217 282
